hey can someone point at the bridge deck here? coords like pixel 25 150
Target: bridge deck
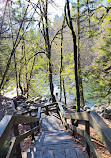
pixel 54 142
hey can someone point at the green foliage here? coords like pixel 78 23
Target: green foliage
pixel 39 84
pixel 33 68
pixel 99 75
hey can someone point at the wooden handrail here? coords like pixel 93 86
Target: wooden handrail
pixel 97 123
pixel 26 134
pixel 29 111
pixel 102 129
pixel 91 144
pixel 78 115
pixel 12 148
pixel 5 126
pixel 51 104
pixel 87 138
pixel 16 140
pixel 9 121
pixel 95 120
pixel 61 108
pixel 24 119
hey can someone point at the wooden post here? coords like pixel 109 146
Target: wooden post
pixel 87 128
pixel 47 112
pixel 31 126
pixel 18 149
pixel 57 108
pixel 66 123
pixel 73 133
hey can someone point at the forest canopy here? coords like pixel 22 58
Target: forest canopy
pixel 72 51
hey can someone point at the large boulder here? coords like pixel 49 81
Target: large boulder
pixel 106 113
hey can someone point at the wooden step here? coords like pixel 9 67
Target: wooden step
pixel 54 142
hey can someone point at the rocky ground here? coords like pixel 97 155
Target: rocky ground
pixel 104 109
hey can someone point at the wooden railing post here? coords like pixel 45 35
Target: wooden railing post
pixel 66 123
pixel 73 133
pixel 31 126
pixel 57 108
pixel 87 128
pixel 18 149
pixel 47 111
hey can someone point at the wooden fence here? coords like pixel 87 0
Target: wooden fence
pixel 90 118
pixel 9 122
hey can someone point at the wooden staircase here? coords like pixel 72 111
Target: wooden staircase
pixel 54 142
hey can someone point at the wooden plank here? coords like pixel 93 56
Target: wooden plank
pixel 47 111
pixel 80 154
pixel 44 106
pixel 54 103
pixel 39 105
pixel 26 134
pixel 87 128
pixel 70 153
pixel 24 119
pixel 51 109
pixel 29 111
pixel 77 116
pixel 4 122
pixel 5 126
pixel 92 146
pixel 62 118
pixel 29 155
pixel 38 154
pixel 61 108
pixel 64 146
pixel 16 134
pixel 102 129
pixel 77 130
pixel 47 154
pixel 59 153
pixel 12 148
pixel 87 138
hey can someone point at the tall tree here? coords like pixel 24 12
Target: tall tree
pixel 61 66
pixel 45 33
pixel 70 25
pixel 79 56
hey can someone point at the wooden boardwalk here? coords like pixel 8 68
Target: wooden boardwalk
pixel 54 141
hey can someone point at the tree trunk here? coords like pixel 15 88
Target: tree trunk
pixel 48 50
pixel 28 83
pixel 64 92
pixel 20 82
pixel 79 59
pixel 75 55
pixel 16 74
pixel 61 65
